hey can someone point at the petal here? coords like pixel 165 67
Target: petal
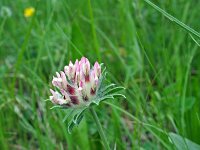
pixel 57 82
pixel 66 69
pixel 65 94
pixel 71 64
pixel 87 64
pixel 62 101
pixel 64 80
pixel 58 75
pixel 71 71
pixel 83 59
pixel 97 68
pixel 52 91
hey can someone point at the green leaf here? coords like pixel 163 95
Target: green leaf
pixel 68 115
pixel 78 116
pixel 107 87
pixel 114 90
pixel 189 102
pixel 119 95
pixel 70 126
pixel 56 106
pixel 182 143
pixel 76 119
pixel 173 19
pixel 97 101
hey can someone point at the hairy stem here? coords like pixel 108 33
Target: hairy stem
pixel 100 129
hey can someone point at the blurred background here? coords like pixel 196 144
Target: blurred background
pixel 152 57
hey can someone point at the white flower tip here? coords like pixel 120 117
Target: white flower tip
pixel 62 75
pixel 70 64
pixel 61 101
pixel 80 88
pixel 58 75
pixel 96 78
pixel 66 68
pixel 58 79
pixel 52 91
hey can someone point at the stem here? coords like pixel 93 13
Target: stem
pixel 100 129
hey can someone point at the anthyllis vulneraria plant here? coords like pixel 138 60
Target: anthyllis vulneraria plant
pixel 79 87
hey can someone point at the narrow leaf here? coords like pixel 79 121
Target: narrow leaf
pixel 182 143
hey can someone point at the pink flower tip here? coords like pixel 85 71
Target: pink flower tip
pixel 76 83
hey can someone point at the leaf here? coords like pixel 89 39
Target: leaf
pixel 97 101
pixel 58 106
pixel 119 95
pixel 182 143
pixel 173 19
pixel 68 115
pixel 114 90
pixel 75 121
pixel 78 116
pixel 70 126
pixel 46 100
pixel 189 102
pixel 107 87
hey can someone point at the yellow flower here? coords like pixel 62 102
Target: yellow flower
pixel 29 11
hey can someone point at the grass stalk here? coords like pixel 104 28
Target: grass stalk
pixel 93 30
pixel 173 19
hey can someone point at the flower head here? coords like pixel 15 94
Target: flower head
pixel 77 84
pixel 29 12
pixel 5 12
pixel 80 86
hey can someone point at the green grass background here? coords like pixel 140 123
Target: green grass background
pixel 156 60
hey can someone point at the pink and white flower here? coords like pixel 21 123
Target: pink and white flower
pixel 81 86
pixel 77 84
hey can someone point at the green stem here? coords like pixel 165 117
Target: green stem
pixel 173 19
pixel 100 129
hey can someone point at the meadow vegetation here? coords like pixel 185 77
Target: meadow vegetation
pixel 152 54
